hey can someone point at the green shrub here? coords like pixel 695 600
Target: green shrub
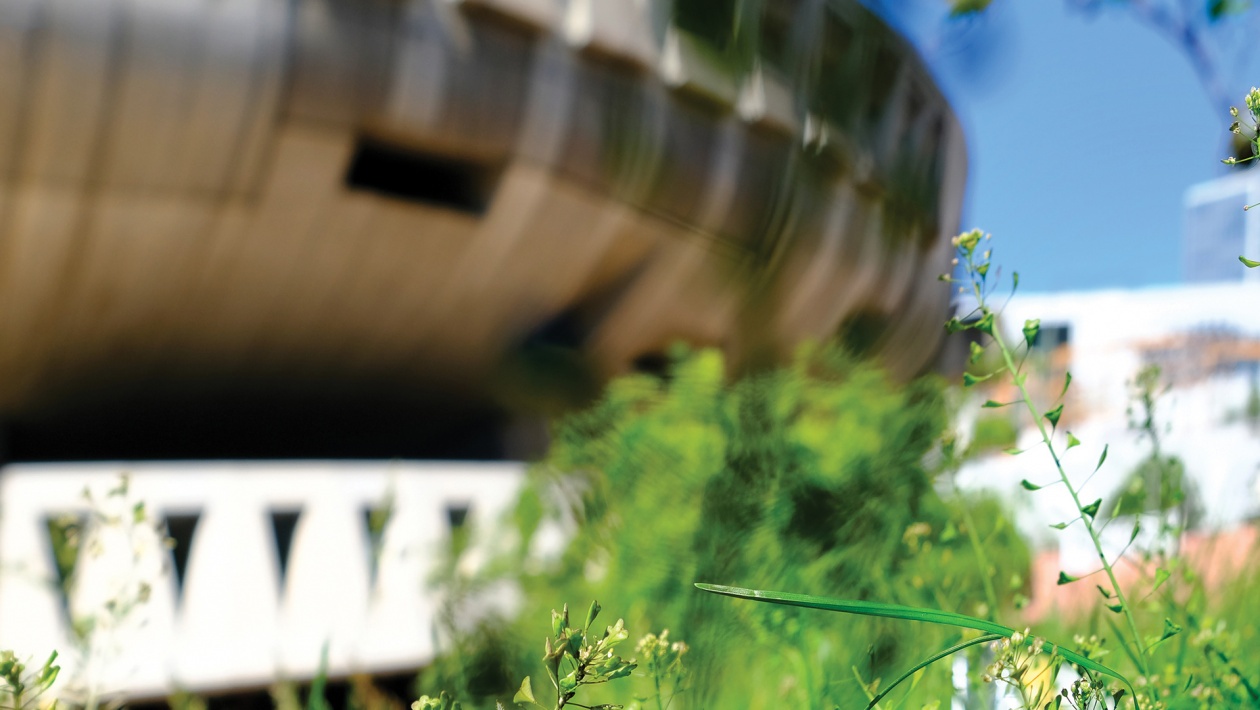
pixel 808 477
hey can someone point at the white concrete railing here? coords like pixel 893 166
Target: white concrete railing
pixel 238 620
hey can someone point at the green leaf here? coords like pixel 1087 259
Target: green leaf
pixel 1031 327
pixel 525 694
pixel 1170 629
pixel 1115 608
pixel 1106 594
pixel 1092 509
pixel 1072 440
pixel 1101 458
pixel 1060 526
pixel 1030 486
pixel 1013 451
pixel 983 269
pixel 1067 380
pixel 990 404
pixel 976 352
pixel 908 613
pixel 1137 528
pixel 1161 576
pixel 1065 578
pixel 953 325
pixel 1053 415
pixel 1248 262
pixel 1014 281
pixel 985 324
pixel 970 379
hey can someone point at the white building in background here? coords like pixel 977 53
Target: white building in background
pixel 1216 226
pixel 1206 338
pixel 272 561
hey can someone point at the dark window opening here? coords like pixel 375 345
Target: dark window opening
pixel 180 528
pixel 456 515
pixel 1050 337
pixel 883 77
pixel 283 525
pixel 713 21
pixel 778 34
pixel 375 518
pixel 463 185
pixel 65 537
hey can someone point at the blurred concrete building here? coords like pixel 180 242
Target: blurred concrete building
pixel 218 217
pixel 330 229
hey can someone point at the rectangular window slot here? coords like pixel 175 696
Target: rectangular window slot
pixel 416 176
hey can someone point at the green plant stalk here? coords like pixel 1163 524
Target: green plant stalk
pixel 929 661
pixel 983 559
pixel 1076 499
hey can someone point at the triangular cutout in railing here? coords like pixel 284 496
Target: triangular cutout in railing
pixel 180 528
pixel 457 514
pixel 283 525
pixel 375 518
pixel 65 535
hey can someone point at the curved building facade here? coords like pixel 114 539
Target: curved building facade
pixel 206 198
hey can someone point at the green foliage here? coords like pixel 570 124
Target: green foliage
pixel 21 688
pixel 809 477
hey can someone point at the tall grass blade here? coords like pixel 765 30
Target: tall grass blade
pixel 908 613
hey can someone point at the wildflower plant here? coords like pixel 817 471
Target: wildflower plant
pixel 663 661
pixel 1247 126
pixel 574 658
pixel 21 688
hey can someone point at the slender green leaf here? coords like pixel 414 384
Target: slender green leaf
pixel 970 379
pixel 1115 608
pixel 1029 485
pixel 1031 327
pixel 1101 459
pixel 908 613
pixel 1106 594
pixel 1065 578
pixel 1013 451
pixel 990 404
pixel 1072 440
pixel 1059 526
pixel 1067 380
pixel 1248 262
pixel 929 661
pixel 1053 415
pixel 1092 509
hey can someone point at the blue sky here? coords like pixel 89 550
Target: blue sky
pixel 1083 131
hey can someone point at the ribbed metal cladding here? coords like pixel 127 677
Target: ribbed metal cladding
pixel 179 196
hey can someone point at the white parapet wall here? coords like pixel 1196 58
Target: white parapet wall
pixel 242 616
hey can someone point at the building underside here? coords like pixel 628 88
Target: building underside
pixel 251 228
